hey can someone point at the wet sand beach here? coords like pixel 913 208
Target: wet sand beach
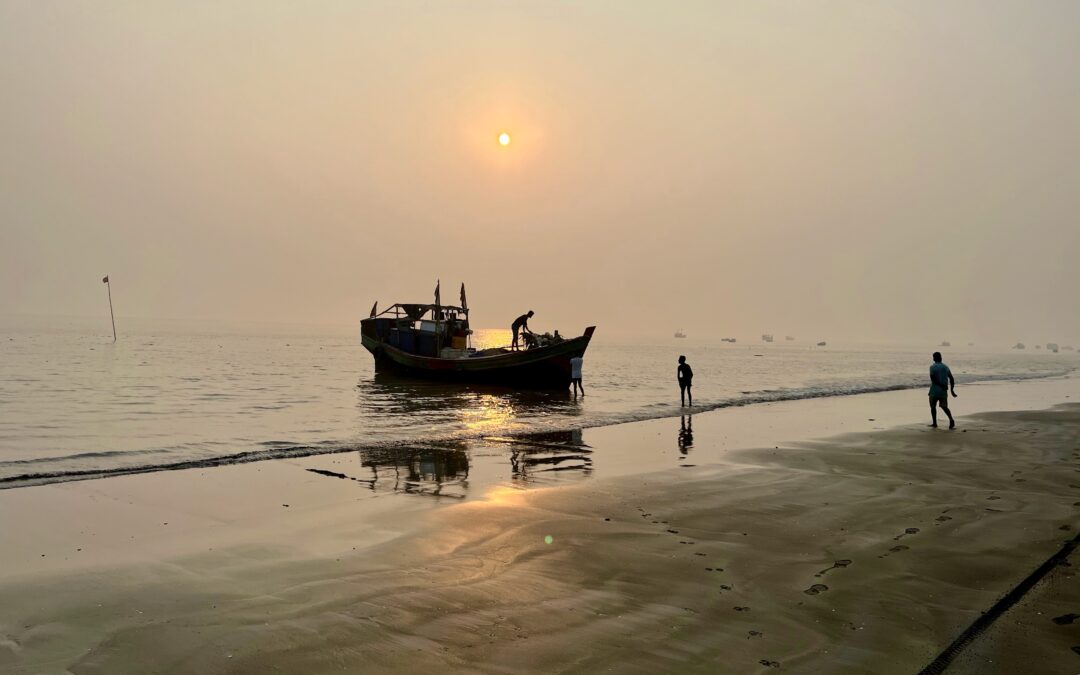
pixel 749 548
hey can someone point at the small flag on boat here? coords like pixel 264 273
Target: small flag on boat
pixel 437 301
pixel 373 307
pixel 105 279
pixel 464 305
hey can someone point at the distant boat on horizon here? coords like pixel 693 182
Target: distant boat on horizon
pixel 1018 345
pixel 821 344
pixel 680 334
pixel 1052 346
pixel 789 338
pixel 728 339
pixel 765 337
pixel 945 343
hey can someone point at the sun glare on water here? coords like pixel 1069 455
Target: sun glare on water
pixel 504 139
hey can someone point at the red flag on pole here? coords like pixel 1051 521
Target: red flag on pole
pixel 464 305
pixel 105 279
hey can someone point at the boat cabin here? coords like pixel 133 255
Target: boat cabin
pixel 423 330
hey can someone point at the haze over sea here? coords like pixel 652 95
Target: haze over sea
pixel 171 392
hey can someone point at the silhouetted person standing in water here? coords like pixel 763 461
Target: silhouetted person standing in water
pixel 941 381
pixel 686 379
pixel 575 375
pixel 521 325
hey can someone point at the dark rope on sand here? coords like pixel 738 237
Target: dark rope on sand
pixel 1003 605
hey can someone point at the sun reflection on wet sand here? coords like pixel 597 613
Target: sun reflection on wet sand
pixel 502 495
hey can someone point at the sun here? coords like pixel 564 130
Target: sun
pixel 504 139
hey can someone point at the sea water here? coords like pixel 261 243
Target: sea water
pixel 72 402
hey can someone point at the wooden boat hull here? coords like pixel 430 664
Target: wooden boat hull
pixel 541 367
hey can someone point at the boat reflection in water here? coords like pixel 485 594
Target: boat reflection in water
pixel 438 471
pixel 476 435
pixel 538 457
pixel 455 410
pixel 441 471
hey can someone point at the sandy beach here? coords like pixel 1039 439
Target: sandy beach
pixel 834 535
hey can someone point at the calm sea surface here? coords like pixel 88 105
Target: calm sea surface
pixel 72 402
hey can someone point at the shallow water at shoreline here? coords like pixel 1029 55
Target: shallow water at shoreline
pixel 72 402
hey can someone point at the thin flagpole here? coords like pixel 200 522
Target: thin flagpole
pixel 108 286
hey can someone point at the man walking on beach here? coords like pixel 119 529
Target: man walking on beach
pixel 686 379
pixel 521 325
pixel 941 381
pixel 575 375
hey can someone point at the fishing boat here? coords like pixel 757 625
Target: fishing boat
pixel 821 344
pixel 431 341
pixel 680 334
pixel 766 338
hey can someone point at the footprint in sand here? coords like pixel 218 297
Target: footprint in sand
pixel 741 609
pixel 753 634
pixel 816 589
pixel 910 530
pixel 895 549
pixel 992 497
pixel 1065 619
pixel 776 664
pixel 837 564
pixel 942 519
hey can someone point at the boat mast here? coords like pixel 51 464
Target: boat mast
pixel 438 312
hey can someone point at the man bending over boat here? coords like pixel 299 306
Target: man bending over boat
pixel 521 325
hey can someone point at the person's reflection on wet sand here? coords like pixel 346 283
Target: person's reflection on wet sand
pixel 686 434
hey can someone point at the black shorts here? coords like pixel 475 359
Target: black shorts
pixel 685 385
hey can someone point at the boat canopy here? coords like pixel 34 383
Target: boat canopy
pixel 417 311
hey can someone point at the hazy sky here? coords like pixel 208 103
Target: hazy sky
pixel 826 169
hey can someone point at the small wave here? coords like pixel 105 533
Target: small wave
pixel 77 456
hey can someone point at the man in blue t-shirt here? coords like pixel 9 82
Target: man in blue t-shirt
pixel 941 381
